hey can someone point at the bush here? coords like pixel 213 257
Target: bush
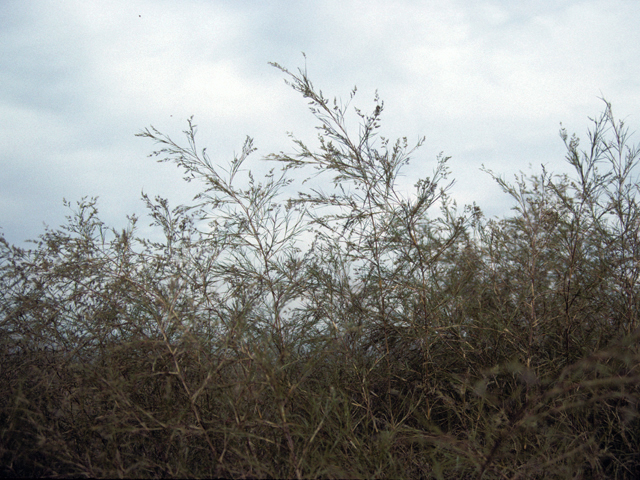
pixel 353 331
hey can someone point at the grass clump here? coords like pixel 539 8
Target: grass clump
pixel 352 330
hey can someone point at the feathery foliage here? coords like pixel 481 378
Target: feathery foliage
pixel 350 330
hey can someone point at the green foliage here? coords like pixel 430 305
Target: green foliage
pixel 350 330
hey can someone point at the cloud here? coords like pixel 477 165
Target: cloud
pixel 486 82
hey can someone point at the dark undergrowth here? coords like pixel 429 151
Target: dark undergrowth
pixel 353 330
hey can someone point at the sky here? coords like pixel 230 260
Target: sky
pixel 485 82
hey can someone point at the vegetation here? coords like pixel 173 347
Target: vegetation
pixel 351 330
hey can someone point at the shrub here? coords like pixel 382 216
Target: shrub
pixel 350 330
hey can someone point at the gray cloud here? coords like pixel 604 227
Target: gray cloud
pixel 486 82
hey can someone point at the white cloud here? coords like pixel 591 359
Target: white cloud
pixel 487 82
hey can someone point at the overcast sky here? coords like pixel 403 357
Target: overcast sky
pixel 486 82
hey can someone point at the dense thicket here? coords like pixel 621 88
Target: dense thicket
pixel 351 330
